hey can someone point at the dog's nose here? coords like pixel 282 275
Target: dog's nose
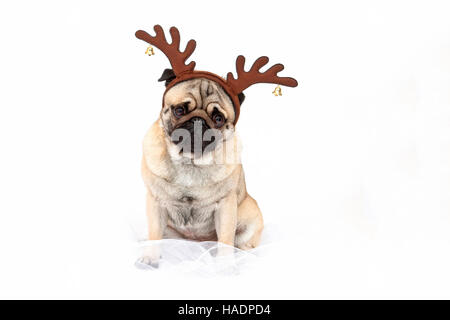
pixel 196 128
pixel 196 123
pixel 198 120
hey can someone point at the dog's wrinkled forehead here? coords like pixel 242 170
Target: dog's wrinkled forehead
pixel 201 94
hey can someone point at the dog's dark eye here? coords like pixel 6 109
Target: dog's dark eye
pixel 218 119
pixel 179 111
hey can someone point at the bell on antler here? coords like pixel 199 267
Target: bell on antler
pixel 277 91
pixel 149 51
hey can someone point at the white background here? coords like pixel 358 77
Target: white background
pixel 352 168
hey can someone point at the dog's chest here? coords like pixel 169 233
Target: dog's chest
pixel 192 198
pixel 191 214
pixel 193 222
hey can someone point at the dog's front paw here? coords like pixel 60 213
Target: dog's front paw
pixel 147 262
pixel 149 259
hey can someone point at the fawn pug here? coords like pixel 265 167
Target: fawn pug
pixel 195 184
pixel 195 181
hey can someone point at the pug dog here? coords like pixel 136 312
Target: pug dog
pixel 190 166
pixel 191 163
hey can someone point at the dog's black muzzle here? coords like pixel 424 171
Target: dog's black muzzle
pixel 191 137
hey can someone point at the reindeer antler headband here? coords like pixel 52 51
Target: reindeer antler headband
pixel 233 87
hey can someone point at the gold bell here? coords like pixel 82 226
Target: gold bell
pixel 277 91
pixel 149 51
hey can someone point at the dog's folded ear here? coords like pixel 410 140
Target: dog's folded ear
pixel 241 97
pixel 168 75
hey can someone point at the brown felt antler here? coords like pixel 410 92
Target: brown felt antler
pixel 246 79
pixel 176 57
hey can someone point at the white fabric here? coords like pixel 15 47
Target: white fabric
pixel 200 258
